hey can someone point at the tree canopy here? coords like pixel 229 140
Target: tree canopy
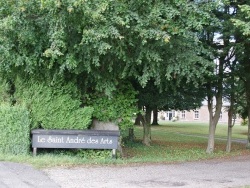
pixel 103 41
pixel 97 44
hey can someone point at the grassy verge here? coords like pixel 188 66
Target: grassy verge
pixel 171 142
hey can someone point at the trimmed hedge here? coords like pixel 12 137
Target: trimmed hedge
pixel 5 90
pixel 15 130
pixel 53 107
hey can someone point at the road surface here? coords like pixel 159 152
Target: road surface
pixel 219 173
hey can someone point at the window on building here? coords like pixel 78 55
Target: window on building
pixel 196 114
pixel 183 114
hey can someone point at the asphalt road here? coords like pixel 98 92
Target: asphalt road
pixel 230 173
pixel 15 175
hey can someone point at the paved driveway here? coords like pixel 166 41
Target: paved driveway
pixel 234 172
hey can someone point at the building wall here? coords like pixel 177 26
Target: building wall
pixel 199 115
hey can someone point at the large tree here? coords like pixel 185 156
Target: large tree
pixel 232 51
pixel 101 42
pixel 242 22
pixel 219 38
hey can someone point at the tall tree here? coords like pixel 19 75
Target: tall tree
pixel 102 42
pixel 218 38
pixel 242 22
pixel 232 90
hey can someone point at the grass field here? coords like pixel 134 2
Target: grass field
pixel 171 142
pixel 174 141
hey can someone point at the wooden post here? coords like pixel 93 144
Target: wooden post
pixel 34 151
pixel 114 153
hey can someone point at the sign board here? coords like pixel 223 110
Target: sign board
pixel 89 139
pixel 74 141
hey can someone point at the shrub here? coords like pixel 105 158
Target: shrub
pixel 5 91
pixel 244 122
pixel 15 130
pixel 53 107
pixel 120 107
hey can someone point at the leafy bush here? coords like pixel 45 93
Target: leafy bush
pixel 5 91
pixel 15 129
pixel 94 154
pixel 244 122
pixel 53 107
pixel 120 107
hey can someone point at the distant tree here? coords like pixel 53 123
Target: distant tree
pixel 155 117
pixel 182 97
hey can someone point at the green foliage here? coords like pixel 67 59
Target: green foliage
pixel 15 130
pixel 120 108
pixel 7 89
pixel 4 88
pixel 80 153
pixel 104 42
pixel 52 107
pixel 94 154
pixel 243 21
pixel 244 122
pixel 184 97
pixel 104 39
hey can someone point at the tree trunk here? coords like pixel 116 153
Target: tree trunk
pixel 138 119
pixel 131 134
pixel 230 127
pixel 211 137
pixel 248 134
pixel 247 86
pixel 231 112
pixel 147 127
pixel 212 127
pixel 214 116
pixel 155 116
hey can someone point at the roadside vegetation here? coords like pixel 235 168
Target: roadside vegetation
pixel 171 142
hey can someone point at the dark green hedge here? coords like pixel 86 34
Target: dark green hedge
pixel 53 106
pixel 15 130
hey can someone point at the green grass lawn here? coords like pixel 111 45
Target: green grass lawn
pixel 171 142
pixel 239 132
pixel 175 141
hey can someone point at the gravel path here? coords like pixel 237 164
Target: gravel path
pixel 220 173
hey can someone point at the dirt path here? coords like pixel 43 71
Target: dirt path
pixel 233 172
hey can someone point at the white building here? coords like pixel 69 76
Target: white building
pixel 198 115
